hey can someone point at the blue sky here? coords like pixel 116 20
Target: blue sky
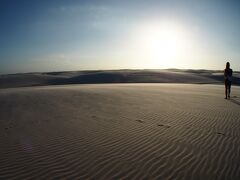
pixel 56 35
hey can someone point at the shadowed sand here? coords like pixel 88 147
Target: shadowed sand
pixel 120 131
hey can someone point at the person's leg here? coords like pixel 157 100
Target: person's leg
pixel 229 88
pixel 226 89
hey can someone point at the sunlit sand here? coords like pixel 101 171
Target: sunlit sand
pixel 120 131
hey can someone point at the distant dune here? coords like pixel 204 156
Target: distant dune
pixel 120 131
pixel 115 76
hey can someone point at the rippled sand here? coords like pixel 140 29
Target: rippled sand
pixel 120 131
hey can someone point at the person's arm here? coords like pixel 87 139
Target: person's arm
pixel 230 75
pixel 225 74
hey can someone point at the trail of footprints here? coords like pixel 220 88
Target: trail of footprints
pixel 169 126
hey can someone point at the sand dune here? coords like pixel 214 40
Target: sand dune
pixel 115 76
pixel 120 131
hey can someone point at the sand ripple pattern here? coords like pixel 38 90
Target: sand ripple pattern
pixel 137 131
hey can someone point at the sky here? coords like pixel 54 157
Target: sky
pixel 66 35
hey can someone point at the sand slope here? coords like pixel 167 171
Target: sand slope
pixel 130 131
pixel 116 76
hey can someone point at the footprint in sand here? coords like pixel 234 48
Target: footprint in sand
pixel 7 128
pixel 219 133
pixel 140 121
pixel 164 125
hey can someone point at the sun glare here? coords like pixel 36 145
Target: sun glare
pixel 161 44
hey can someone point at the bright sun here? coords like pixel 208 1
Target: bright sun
pixel 162 44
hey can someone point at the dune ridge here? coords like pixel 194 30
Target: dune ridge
pixel 119 131
pixel 116 76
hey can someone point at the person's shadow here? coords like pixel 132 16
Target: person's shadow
pixel 235 100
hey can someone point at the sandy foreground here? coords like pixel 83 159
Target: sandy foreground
pixel 120 131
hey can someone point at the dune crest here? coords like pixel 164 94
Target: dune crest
pixel 115 76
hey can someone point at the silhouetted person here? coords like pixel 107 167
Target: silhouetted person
pixel 228 80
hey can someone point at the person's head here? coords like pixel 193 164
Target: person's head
pixel 227 65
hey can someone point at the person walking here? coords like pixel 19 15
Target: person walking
pixel 228 80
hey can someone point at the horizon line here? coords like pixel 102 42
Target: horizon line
pixel 124 69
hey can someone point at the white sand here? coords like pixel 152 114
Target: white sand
pixel 120 131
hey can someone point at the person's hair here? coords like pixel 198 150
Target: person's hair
pixel 227 65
